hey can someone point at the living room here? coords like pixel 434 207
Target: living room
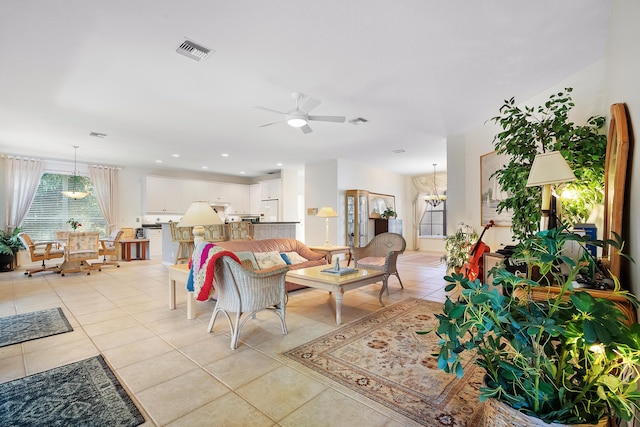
pixel 609 80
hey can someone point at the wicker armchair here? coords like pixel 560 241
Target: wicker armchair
pixel 109 247
pixel 381 254
pixel 242 291
pixel 41 251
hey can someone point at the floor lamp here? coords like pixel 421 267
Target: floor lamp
pixel 327 212
pixel 549 168
pixel 198 215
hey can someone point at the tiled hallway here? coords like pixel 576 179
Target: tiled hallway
pixel 180 375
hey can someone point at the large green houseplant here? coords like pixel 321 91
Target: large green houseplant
pixel 527 131
pixel 570 358
pixel 10 244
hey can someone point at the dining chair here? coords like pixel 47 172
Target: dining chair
pixel 109 247
pixel 41 251
pixel 80 248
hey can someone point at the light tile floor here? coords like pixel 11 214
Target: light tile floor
pixel 180 375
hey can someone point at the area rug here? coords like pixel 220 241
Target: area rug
pixel 383 359
pixel 84 393
pixel 30 326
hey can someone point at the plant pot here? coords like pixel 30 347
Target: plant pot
pixel 6 262
pixel 499 414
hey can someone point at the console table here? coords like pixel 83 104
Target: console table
pixel 141 248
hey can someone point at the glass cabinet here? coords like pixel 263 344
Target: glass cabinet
pixel 357 215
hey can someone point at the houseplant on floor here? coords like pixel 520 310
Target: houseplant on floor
pixel 10 244
pixel 458 245
pixel 569 359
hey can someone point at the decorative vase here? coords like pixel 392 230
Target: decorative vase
pixel 499 414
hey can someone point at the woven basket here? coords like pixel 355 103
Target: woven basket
pixel 499 414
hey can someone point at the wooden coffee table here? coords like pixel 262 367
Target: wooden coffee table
pixel 338 285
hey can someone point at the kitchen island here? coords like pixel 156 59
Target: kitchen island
pixel 261 230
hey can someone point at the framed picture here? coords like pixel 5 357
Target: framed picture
pixel 490 192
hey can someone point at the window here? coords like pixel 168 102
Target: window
pixel 434 220
pixel 51 210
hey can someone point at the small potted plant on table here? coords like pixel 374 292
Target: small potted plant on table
pixel 569 359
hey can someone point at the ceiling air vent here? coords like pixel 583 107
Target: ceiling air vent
pixel 193 50
pixel 358 121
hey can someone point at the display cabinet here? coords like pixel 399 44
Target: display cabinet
pixel 357 217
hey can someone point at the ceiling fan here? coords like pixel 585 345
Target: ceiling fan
pixel 299 117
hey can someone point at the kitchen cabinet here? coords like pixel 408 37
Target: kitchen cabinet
pixel 255 197
pixel 163 195
pixel 270 190
pixel 238 195
pixel 155 242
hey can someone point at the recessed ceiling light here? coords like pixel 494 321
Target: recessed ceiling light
pixel 175 155
pixel 224 155
pixel 205 167
pixel 242 172
pixel 278 164
pixel 158 161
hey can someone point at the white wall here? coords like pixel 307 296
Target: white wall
pixel 321 189
pixel 463 183
pixel 622 85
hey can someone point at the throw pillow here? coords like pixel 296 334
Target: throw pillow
pixel 248 256
pixel 295 257
pixel 269 259
pixel 285 258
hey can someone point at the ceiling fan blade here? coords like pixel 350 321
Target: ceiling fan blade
pixel 306 129
pixel 269 109
pixel 272 123
pixel 310 104
pixel 337 119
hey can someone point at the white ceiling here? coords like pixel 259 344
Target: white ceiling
pixel 418 70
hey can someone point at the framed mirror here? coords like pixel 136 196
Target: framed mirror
pixel 615 175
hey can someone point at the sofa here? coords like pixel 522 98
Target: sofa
pixel 267 254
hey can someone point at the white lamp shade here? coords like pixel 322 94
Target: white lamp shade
pixel 327 212
pixel 199 213
pixel 549 168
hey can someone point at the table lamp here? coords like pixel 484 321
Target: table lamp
pixel 199 214
pixel 549 168
pixel 327 212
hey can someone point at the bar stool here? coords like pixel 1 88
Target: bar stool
pixel 184 237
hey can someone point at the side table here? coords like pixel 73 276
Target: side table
pixel 330 251
pixel 141 248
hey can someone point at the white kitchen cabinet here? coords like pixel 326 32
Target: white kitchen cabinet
pixel 254 198
pixel 155 242
pixel 218 193
pixel 270 190
pixel 238 195
pixel 163 195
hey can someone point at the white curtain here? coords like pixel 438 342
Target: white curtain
pixel 22 177
pixel 105 184
pixel 422 186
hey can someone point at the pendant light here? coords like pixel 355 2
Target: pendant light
pixel 434 199
pixel 74 179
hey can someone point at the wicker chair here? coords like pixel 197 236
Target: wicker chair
pixel 109 247
pixel 242 291
pixel 381 254
pixel 41 251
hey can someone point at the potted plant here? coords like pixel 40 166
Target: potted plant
pixel 569 358
pixel 527 131
pixel 10 244
pixel 389 213
pixel 458 246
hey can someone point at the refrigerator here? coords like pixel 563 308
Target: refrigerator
pixel 269 211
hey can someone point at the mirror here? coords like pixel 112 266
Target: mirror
pixel 615 175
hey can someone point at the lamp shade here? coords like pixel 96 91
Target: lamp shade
pixel 549 168
pixel 327 212
pixel 199 213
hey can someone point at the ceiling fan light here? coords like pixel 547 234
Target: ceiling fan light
pixel 296 122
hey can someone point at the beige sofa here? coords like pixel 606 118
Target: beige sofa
pixel 282 245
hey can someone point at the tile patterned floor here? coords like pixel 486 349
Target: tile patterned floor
pixel 180 375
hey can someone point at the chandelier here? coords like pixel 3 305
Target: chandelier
pixel 74 179
pixel 434 199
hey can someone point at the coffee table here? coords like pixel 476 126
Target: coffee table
pixel 338 285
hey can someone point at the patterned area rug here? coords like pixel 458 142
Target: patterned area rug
pixel 29 326
pixel 381 357
pixel 84 393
